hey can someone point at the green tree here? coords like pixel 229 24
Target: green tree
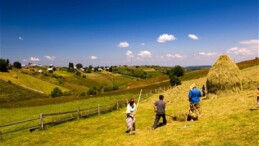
pixel 92 91
pixel 70 67
pixel 110 68
pixel 79 65
pixel 96 69
pixel 90 67
pixel 3 65
pixel 178 71
pixel 17 64
pixel 174 80
pixel 56 92
pixel 7 62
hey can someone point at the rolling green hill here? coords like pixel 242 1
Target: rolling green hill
pixel 79 85
pixel 226 120
pixel 30 82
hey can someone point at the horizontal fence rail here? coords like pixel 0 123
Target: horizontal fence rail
pixel 44 118
pixel 19 122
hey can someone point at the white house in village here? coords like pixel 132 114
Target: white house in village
pixel 40 71
pixel 100 69
pixel 50 68
pixel 82 69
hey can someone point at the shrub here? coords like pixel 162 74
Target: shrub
pixel 92 91
pixel 56 92
pixel 174 80
pixel 115 87
pixel 46 74
pixel 17 64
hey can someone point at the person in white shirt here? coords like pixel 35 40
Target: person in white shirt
pixel 130 116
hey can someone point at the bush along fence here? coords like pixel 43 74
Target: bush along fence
pixel 49 119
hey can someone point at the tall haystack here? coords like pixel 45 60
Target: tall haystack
pixel 224 77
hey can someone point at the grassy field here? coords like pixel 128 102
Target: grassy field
pixel 226 120
pixel 33 112
pixel 29 82
pixel 17 93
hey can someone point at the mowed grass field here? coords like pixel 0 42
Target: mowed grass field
pixel 29 82
pixel 225 120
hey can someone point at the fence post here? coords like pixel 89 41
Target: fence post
pixel 117 105
pixel 41 121
pixel 98 109
pixel 1 135
pixel 78 113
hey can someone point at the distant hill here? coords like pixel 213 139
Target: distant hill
pixel 196 67
pixel 241 65
pixel 248 63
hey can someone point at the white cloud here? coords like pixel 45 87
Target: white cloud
pixel 24 60
pixel 145 54
pixel 129 54
pixel 165 37
pixel 239 51
pixel 93 57
pixel 208 54
pixel 20 38
pixel 123 44
pixel 193 36
pixel 171 56
pixel 52 58
pixel 142 44
pixel 250 42
pixel 34 59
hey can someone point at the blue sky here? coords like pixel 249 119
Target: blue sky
pixel 131 32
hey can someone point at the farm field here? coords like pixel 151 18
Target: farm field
pixel 69 70
pixel 229 115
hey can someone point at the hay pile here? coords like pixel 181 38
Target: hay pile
pixel 224 77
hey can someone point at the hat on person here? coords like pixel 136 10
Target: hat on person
pixel 192 86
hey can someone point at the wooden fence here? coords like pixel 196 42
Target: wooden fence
pixel 50 119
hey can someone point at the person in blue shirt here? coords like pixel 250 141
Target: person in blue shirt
pixel 194 98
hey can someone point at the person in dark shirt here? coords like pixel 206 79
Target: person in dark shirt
pixel 203 90
pixel 160 111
